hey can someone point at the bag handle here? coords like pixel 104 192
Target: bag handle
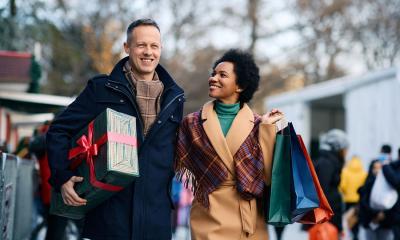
pixel 281 125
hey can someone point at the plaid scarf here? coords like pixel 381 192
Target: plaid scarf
pixel 148 95
pixel 198 161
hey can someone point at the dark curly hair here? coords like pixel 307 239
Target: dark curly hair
pixel 246 70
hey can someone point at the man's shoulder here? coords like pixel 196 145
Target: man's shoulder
pixel 99 78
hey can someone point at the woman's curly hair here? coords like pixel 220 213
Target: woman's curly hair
pixel 246 70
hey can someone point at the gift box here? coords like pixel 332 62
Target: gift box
pixel 104 153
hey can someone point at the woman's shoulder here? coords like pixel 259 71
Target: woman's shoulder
pixel 191 117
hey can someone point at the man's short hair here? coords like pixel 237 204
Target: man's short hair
pixel 386 148
pixel 140 22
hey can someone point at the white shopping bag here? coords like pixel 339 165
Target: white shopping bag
pixel 383 195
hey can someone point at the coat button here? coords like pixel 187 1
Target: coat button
pixel 116 86
pixel 159 122
pixel 179 99
pixel 121 101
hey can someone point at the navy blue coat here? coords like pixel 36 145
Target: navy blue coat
pixel 142 210
pixel 367 214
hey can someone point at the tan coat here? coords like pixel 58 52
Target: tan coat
pixel 230 217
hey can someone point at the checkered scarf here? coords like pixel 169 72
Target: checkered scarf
pixel 148 95
pixel 203 168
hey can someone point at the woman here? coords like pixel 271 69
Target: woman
pixel 225 151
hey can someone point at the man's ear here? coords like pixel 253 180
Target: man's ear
pixel 126 47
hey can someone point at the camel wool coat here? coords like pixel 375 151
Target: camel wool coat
pixel 229 216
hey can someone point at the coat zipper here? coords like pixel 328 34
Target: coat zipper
pixel 134 105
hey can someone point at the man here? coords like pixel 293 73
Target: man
pixel 140 87
pixel 391 172
pixel 385 155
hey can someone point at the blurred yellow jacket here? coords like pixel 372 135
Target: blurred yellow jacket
pixel 352 178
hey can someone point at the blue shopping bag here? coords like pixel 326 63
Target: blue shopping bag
pixel 304 197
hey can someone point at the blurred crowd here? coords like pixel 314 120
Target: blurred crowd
pixel 357 198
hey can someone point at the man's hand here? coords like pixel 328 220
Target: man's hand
pixel 379 217
pixel 69 195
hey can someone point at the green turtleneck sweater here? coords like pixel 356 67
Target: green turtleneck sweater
pixel 226 113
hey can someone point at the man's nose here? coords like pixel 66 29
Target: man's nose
pixel 148 51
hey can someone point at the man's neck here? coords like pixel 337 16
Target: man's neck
pixel 138 76
pixel 147 77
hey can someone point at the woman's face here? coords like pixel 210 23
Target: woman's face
pixel 375 169
pixel 222 84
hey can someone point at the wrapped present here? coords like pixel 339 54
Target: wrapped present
pixel 105 154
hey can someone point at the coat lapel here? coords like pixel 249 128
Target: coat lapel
pixel 213 130
pixel 241 127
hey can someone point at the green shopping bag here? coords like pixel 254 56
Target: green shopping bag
pixel 279 203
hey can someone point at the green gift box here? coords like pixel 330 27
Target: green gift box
pixel 104 153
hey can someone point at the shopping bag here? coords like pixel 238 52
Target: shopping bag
pixel 324 212
pixel 279 202
pixel 304 193
pixel 323 231
pixel 383 195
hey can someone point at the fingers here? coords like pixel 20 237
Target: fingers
pixel 76 179
pixel 275 111
pixel 69 195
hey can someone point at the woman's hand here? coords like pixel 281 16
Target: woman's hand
pixel 273 116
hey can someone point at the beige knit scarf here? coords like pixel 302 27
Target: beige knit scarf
pixel 148 95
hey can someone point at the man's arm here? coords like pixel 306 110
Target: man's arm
pixel 58 139
pixel 325 172
pixel 392 174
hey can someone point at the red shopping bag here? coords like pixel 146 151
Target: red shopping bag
pixel 324 212
pixel 323 231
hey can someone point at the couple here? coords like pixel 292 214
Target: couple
pixel 224 150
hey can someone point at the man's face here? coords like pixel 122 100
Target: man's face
pixel 144 49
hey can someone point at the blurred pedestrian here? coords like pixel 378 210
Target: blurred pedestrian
pixel 225 150
pixel 352 178
pixel 176 190
pixel 22 149
pixel 378 224
pixel 55 224
pixel 329 164
pixel 391 172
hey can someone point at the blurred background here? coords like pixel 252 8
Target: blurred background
pixel 326 63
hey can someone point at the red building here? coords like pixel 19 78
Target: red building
pixel 14 71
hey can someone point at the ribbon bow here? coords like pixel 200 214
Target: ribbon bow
pixel 87 148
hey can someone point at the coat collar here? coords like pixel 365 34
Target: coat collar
pixel 241 127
